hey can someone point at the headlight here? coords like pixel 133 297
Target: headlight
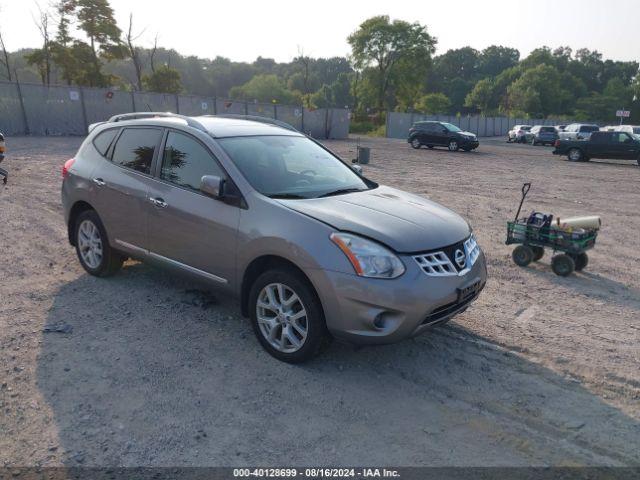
pixel 369 259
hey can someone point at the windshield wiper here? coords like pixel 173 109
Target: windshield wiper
pixel 285 195
pixel 342 191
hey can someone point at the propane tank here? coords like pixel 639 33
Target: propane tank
pixel 571 223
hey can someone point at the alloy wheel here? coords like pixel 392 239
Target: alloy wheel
pixel 282 317
pixel 90 244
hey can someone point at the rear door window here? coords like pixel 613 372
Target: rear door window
pixel 136 148
pixel 103 140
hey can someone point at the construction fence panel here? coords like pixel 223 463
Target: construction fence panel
pixel 68 110
pixel 291 115
pixel 53 110
pixel 155 102
pixel 315 123
pixel 338 123
pixel 194 106
pixel 102 104
pixel 231 107
pixel 11 116
pixel 261 110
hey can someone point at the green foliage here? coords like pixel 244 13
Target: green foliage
pixel 264 88
pixel 391 53
pixel 434 103
pixel 164 80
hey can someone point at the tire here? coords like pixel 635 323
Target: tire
pixel 415 143
pixel 288 282
pixel 533 142
pixel 92 246
pixel 575 155
pixel 538 253
pixel 454 146
pixel 522 255
pixel 581 261
pixel 563 265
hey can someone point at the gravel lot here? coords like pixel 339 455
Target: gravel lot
pixel 159 371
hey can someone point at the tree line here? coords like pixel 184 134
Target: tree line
pixel 393 65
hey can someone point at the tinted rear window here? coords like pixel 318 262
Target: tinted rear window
pixel 589 128
pixel 103 140
pixel 135 148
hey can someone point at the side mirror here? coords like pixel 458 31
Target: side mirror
pixel 357 169
pixel 212 185
pixel 627 140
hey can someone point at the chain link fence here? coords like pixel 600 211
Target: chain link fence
pixel 31 109
pixel 398 124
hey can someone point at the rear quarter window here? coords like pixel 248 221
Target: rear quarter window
pixel 103 140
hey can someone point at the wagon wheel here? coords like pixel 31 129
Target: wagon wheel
pixel 563 265
pixel 538 253
pixel 522 255
pixel 581 260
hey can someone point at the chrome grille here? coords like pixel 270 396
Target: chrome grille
pixel 439 264
pixel 436 264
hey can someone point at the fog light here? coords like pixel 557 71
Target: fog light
pixel 379 321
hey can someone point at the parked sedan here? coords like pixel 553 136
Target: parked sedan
pixel 518 133
pixel 541 135
pixel 441 134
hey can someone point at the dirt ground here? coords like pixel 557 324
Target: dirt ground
pixel 151 369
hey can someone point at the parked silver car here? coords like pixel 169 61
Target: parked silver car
pixel 313 249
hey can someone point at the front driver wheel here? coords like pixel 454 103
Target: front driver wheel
pixel 92 246
pixel 287 316
pixel 453 146
pixel 415 143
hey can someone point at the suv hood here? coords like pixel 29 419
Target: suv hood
pixel 466 134
pixel 407 223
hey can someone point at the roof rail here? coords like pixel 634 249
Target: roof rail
pixel 256 118
pixel 138 115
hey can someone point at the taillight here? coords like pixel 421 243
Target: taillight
pixel 67 166
pixel 556 143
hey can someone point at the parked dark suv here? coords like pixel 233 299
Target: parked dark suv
pixel 441 134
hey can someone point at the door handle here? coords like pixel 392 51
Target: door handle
pixel 99 182
pixel 158 202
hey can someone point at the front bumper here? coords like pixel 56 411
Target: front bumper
pixel 468 143
pixel 377 311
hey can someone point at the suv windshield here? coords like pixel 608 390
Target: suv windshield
pixel 451 127
pixel 290 167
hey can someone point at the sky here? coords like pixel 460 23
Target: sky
pixel 243 30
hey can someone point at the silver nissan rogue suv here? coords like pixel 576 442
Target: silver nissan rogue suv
pixel 313 249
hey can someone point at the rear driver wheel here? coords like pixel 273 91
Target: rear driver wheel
pixel 415 143
pixel 92 246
